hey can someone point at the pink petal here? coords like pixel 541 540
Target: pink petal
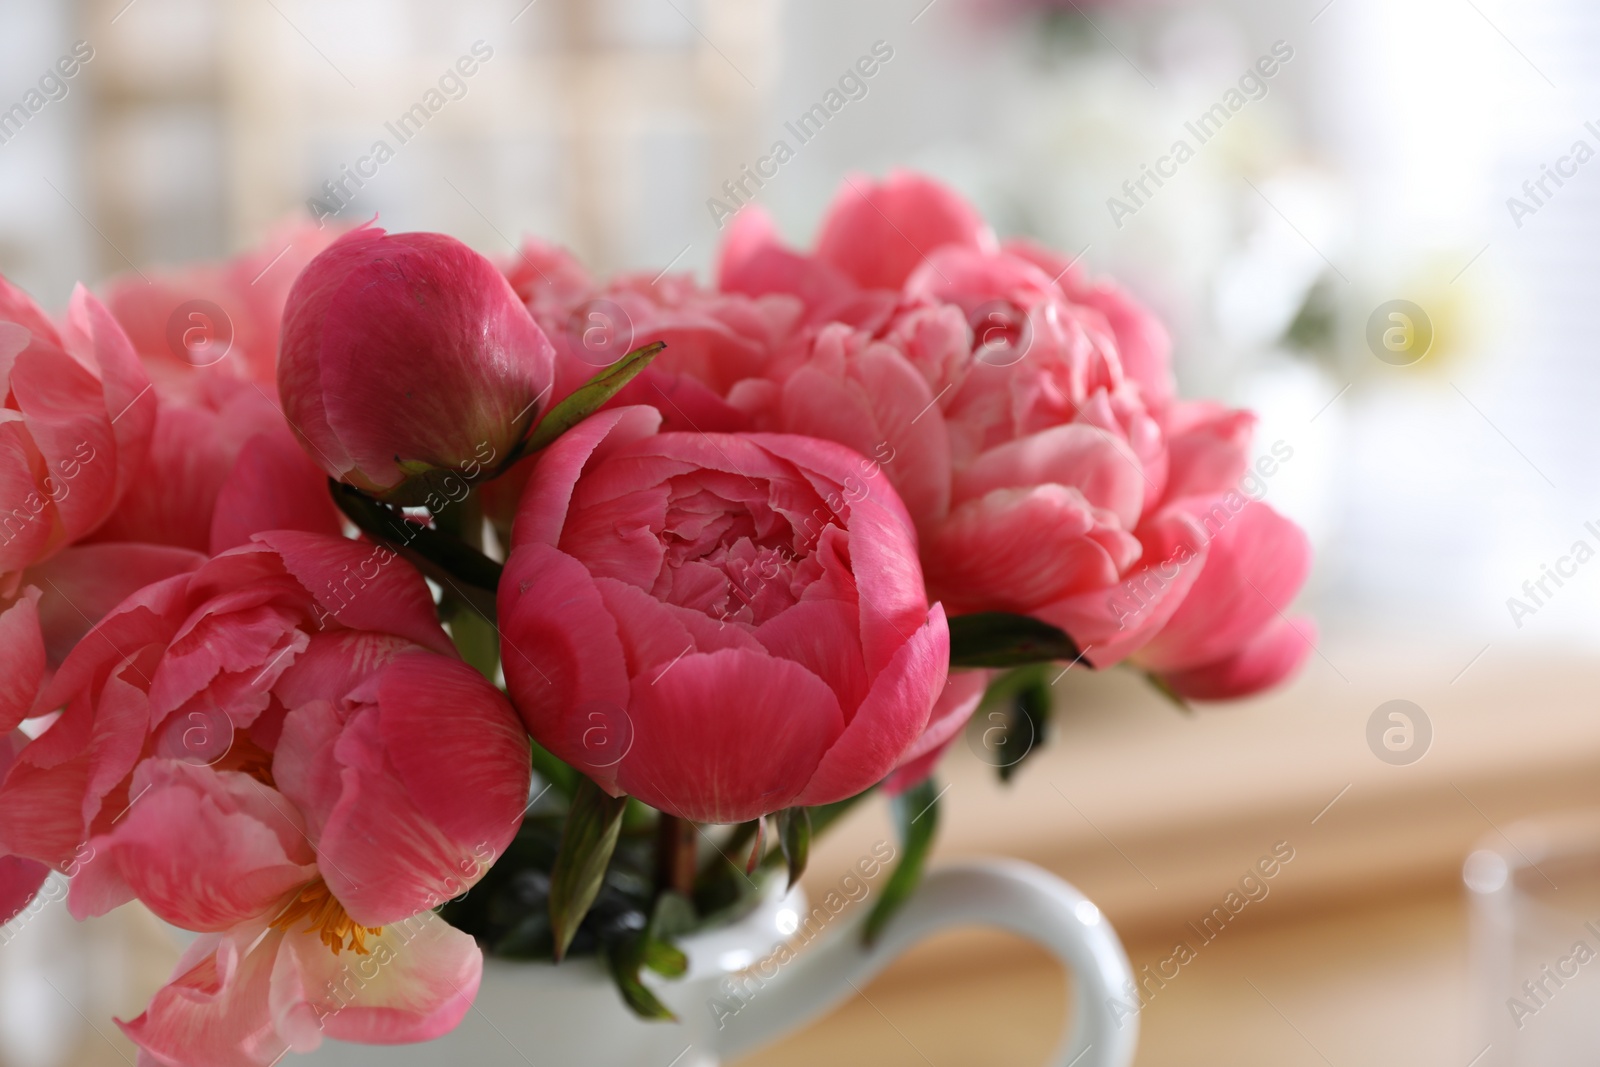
pixel 889 721
pixel 83 583
pixel 22 659
pixel 20 880
pixel 1109 624
pixel 214 1012
pixel 416 982
pixel 93 335
pixel 560 651
pixel 543 511
pixel 879 232
pixel 273 486
pixel 204 850
pixel 458 748
pixel 961 697
pixel 1255 564
pixel 877 408
pixel 1208 448
pixel 364 586
pixel 727 736
pixel 1017 550
pixel 1100 465
pixel 1266 660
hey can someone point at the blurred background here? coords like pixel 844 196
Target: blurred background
pixel 1425 151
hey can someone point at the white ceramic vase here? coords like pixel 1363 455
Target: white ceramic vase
pixel 743 990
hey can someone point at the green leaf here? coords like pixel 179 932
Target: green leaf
pixel 666 959
pixel 1018 705
pixel 590 397
pixel 672 916
pixel 916 817
pixel 794 838
pixel 587 842
pixel 622 960
pixel 996 639
pixel 443 557
pixel 1175 698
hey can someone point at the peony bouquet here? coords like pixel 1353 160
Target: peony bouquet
pixel 367 605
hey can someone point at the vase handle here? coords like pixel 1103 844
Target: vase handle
pixel 1007 894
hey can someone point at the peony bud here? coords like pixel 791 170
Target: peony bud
pixel 407 359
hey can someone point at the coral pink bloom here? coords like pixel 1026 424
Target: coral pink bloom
pixel 279 749
pixel 407 356
pixel 210 320
pixel 380 804
pixel 189 667
pixel 74 426
pixel 1026 416
pixel 721 625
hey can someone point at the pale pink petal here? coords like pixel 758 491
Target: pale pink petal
pixel 1269 658
pixel 215 1011
pixel 416 982
pixel 203 849
pixel 879 232
pixel 1255 564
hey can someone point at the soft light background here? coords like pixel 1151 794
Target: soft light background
pixel 1376 167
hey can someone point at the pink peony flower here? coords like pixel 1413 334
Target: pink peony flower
pixel 191 666
pixel 407 355
pixel 1026 416
pixel 720 625
pixel 279 749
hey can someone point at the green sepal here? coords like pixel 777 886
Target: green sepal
pixel 916 818
pixel 998 639
pixel 587 841
pixel 590 397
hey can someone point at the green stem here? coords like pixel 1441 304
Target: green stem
pixel 457 566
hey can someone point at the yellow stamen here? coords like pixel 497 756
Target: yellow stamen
pixel 317 906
